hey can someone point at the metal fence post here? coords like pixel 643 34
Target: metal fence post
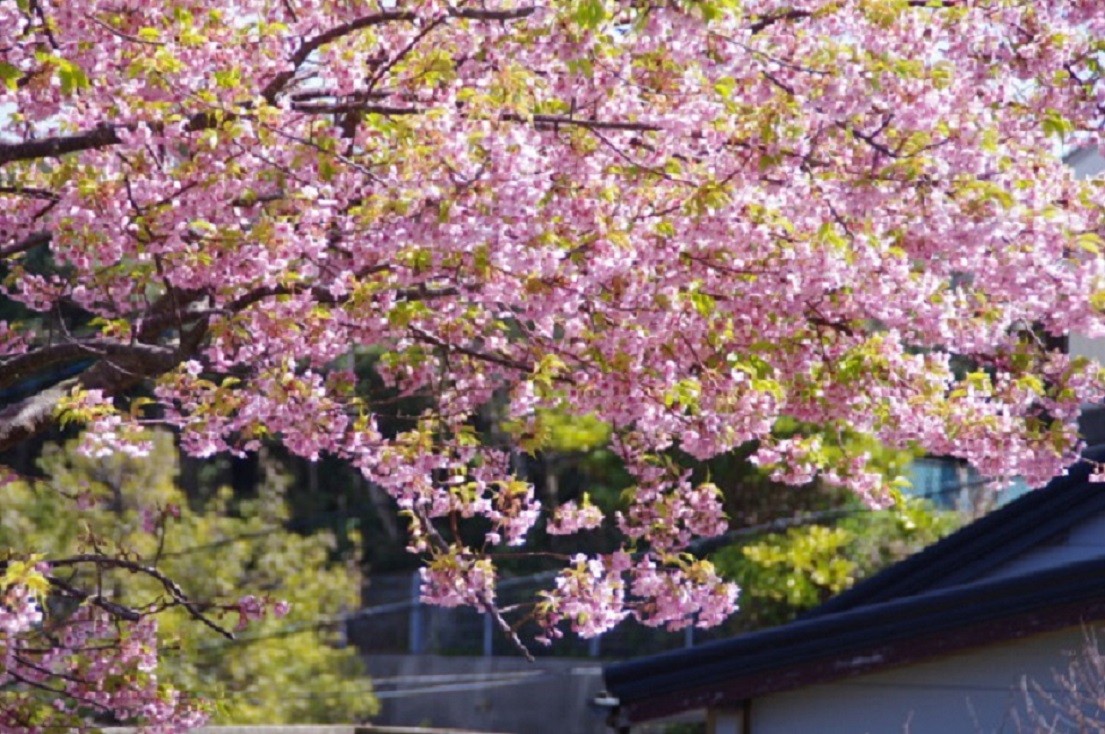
pixel 417 631
pixel 488 635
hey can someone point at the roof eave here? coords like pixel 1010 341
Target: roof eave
pixel 858 642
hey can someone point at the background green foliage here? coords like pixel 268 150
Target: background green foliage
pixel 783 573
pixel 834 539
pixel 279 671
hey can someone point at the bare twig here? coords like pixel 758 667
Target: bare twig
pixel 119 34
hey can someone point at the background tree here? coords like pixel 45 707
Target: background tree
pixel 281 671
pixel 690 220
pixel 784 573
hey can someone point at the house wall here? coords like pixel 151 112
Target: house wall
pixel 976 693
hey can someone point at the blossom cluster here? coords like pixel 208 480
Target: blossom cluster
pixel 85 661
pixel 252 608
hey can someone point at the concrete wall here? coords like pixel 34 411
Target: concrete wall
pixel 500 694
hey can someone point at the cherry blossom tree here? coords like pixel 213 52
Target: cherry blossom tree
pixel 688 220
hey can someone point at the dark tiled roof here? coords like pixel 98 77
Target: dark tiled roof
pixel 857 641
pixel 985 544
pixel 928 605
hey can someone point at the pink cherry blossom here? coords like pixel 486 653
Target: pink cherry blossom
pixel 690 221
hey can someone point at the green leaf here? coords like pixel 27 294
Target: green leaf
pixel 590 13
pixel 9 74
pixel 71 76
pixel 1091 242
pixel 703 303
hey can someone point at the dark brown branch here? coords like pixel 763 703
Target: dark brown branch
pixel 321 294
pixel 553 121
pixel 499 15
pixel 422 293
pixel 45 22
pixel 769 20
pixel 364 107
pixel 255 199
pixel 173 309
pixel 778 82
pixel 120 369
pixel 19 367
pixel 474 354
pixel 25 662
pixel 29 417
pixel 541 121
pixel 870 140
pixel 277 84
pixel 58 692
pixel 170 586
pixel 820 321
pixel 29 192
pixel 98 137
pixel 101 136
pixel 384 68
pixel 116 610
pixel 27 243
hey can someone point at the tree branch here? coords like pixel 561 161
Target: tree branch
pixel 27 243
pixel 323 108
pixel 29 192
pixel 499 15
pixel 170 586
pixel 117 610
pixel 277 84
pixel 119 368
pixel 483 356
pixel 20 367
pixel 553 121
pixel 29 417
pixel 769 20
pixel 98 137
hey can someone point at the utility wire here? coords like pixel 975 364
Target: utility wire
pixel 298 523
pixel 699 548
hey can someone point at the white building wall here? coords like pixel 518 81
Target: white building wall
pixel 974 693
